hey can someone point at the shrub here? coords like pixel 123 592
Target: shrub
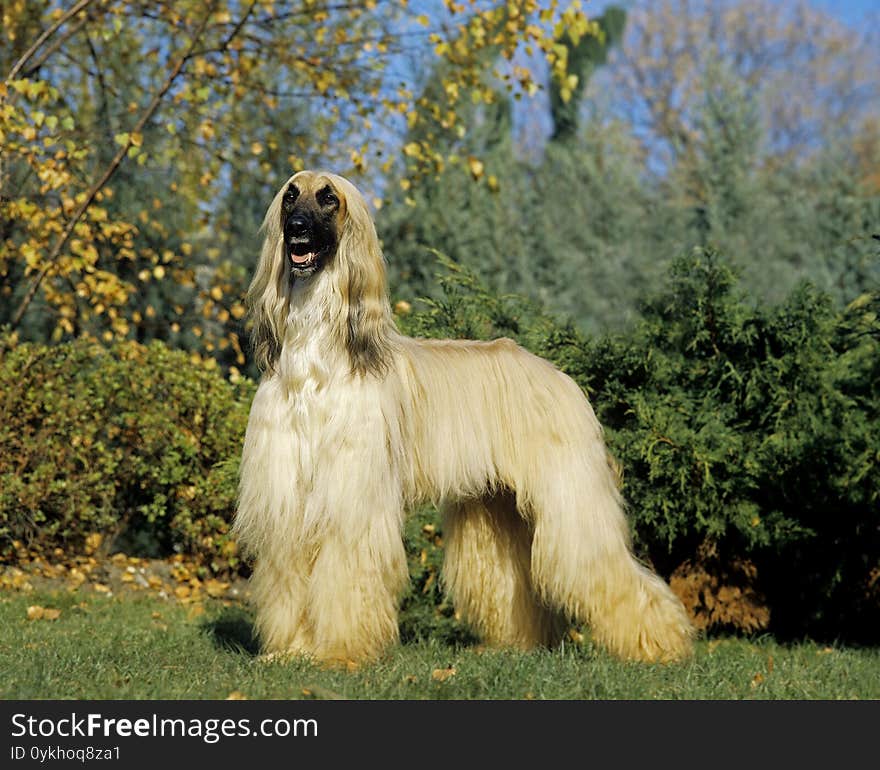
pixel 138 444
pixel 425 611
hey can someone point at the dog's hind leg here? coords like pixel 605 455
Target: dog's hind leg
pixel 487 575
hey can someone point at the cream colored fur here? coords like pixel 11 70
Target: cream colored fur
pixel 353 424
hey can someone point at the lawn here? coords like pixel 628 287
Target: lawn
pixel 145 647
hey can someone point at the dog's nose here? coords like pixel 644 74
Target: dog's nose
pixel 296 225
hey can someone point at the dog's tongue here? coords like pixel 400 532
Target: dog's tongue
pixel 302 259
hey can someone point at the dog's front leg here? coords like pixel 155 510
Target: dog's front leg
pixel 360 569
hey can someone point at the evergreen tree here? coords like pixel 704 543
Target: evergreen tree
pixel 780 224
pixel 522 229
pixel 470 211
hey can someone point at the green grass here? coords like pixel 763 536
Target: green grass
pixel 147 648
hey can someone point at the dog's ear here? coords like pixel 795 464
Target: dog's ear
pixel 364 291
pixel 268 293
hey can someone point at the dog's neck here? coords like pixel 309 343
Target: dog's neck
pixel 311 351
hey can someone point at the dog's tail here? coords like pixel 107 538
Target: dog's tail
pixel 582 563
pixel 582 560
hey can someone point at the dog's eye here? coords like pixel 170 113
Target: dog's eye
pixel 290 195
pixel 327 197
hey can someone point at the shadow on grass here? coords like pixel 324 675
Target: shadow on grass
pixel 233 631
pixel 420 625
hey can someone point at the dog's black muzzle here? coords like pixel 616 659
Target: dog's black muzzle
pixel 306 240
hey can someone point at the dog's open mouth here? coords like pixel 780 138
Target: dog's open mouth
pixel 303 254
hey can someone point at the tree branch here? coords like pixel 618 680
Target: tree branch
pixel 111 169
pixel 59 41
pixel 47 33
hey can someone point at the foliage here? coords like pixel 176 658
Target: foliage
pixel 652 156
pixel 584 57
pixel 141 141
pixel 811 75
pixel 131 442
pixel 743 430
pixel 426 614
pixel 491 210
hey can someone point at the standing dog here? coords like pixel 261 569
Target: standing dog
pixel 353 423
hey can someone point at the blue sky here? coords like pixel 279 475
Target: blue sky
pixel 850 11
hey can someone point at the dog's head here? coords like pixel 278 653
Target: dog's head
pixel 312 211
pixel 319 224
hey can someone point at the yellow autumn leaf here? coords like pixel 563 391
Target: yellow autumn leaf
pixel 216 588
pixel 442 674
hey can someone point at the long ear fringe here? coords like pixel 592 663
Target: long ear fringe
pixel 368 322
pixel 268 293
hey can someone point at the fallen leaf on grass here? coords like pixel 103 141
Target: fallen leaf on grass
pixel 35 612
pixel 216 588
pixel 93 542
pixel 442 674
pixel 15 578
pixel 52 571
pixel 236 695
pixel 314 692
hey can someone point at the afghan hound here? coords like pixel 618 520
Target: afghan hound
pixel 353 423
